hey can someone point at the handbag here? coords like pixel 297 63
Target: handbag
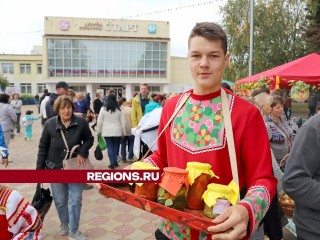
pixel 72 163
pixel 101 142
pixel 98 153
pixel 42 200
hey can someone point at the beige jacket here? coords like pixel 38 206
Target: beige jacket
pixel 111 124
pixel 127 115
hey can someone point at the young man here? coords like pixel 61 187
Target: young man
pixel 61 89
pixel 197 133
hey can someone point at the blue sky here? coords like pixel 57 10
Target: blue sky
pixel 21 22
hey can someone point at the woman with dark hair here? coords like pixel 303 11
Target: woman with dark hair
pixel 111 125
pixel 7 117
pixel 279 131
pixel 158 102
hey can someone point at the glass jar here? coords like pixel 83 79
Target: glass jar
pixel 147 191
pixel 217 197
pixel 199 177
pixel 173 189
pixel 216 210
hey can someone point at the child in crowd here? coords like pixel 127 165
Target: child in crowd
pixel 18 218
pixel 3 149
pixel 27 122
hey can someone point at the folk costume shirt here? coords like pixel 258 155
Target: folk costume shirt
pixel 18 219
pixel 197 133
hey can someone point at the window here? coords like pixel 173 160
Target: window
pixel 154 89
pixel 25 68
pixel 93 58
pixel 25 88
pixel 39 68
pixel 41 87
pixel 7 68
pixel 78 88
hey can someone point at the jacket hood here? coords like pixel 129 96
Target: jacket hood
pixel 53 97
pixel 151 106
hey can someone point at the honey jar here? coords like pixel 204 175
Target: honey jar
pixel 199 175
pixel 147 191
pixel 173 189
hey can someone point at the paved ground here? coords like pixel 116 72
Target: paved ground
pixel 101 217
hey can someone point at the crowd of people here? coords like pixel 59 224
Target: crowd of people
pixel 263 140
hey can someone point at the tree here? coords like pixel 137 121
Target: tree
pixel 312 32
pixel 277 34
pixel 3 83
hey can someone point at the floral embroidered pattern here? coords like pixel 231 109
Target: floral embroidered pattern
pixel 199 125
pixel 259 200
pixel 178 231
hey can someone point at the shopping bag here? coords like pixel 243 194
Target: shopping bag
pixel 102 143
pixel 98 153
pixel 42 200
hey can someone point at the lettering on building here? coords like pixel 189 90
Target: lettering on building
pixel 96 26
pixel 121 27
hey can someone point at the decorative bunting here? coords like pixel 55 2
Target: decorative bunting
pixel 171 9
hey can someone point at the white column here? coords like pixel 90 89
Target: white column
pixel 90 90
pixel 165 88
pixel 51 87
pixel 129 91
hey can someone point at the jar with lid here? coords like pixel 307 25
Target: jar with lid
pixel 199 176
pixel 217 197
pixel 173 189
pixel 147 191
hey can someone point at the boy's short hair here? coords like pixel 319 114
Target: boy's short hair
pixel 29 112
pixel 210 31
pixel 62 84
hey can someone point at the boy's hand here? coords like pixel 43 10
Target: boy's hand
pixel 231 224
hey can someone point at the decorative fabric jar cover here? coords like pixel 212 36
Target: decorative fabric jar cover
pixel 147 191
pixel 199 177
pixel 217 196
pixel 173 188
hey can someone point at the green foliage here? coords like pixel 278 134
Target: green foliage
pixel 311 33
pixel 3 82
pixel 277 34
pixel 26 96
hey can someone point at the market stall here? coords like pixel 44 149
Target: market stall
pixel 306 69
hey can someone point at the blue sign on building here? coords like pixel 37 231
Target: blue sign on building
pixel 152 28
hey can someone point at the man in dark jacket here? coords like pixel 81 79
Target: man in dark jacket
pixel 301 180
pixel 61 89
pixel 97 105
pixel 45 93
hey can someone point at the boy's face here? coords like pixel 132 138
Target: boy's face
pixel 207 62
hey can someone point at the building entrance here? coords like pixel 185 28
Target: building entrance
pixel 117 88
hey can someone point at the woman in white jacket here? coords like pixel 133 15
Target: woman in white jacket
pixel 111 125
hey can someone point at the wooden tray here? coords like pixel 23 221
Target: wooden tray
pixel 195 219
